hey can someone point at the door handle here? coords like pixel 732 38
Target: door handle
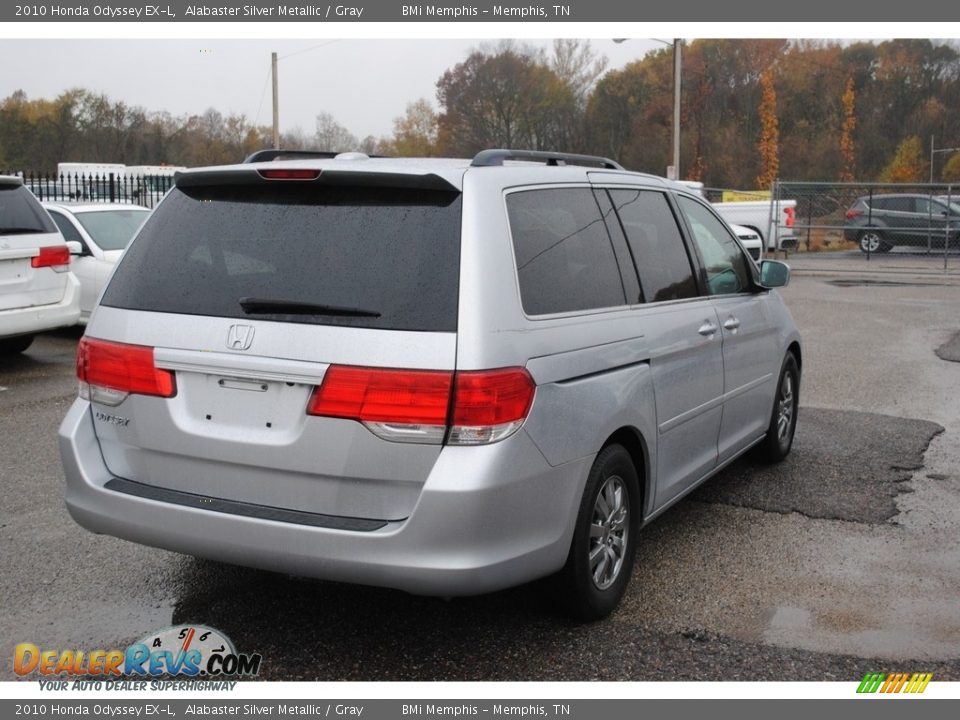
pixel 731 323
pixel 708 328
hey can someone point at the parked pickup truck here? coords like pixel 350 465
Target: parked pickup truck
pixel 755 214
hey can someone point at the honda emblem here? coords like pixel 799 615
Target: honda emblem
pixel 240 337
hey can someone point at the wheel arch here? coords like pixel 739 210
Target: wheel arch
pixel 798 354
pixel 635 444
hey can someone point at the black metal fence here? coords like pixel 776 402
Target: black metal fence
pixel 145 190
pixel 871 219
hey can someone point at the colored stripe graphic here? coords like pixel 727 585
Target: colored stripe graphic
pixel 918 683
pixel 870 683
pixel 894 683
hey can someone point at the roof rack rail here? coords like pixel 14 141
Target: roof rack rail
pixel 492 158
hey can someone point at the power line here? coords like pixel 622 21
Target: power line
pixel 312 47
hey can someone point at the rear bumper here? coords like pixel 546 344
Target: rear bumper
pixel 37 318
pixel 487 518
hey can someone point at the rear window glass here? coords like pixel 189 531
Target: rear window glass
pixel 21 213
pixel 565 261
pixel 329 255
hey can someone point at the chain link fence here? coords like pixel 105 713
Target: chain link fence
pixel 869 220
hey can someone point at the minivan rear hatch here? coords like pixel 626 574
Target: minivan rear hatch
pixel 248 286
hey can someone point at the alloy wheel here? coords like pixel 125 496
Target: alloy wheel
pixel 609 531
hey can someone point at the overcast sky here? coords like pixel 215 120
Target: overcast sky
pixel 364 84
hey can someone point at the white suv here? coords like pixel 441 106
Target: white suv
pixel 37 290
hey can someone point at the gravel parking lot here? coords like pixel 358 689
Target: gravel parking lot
pixel 843 560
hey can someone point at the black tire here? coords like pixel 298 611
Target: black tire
pixel 872 241
pixel 783 418
pixel 14 345
pixel 587 591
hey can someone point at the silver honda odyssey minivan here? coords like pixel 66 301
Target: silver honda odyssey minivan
pixel 443 376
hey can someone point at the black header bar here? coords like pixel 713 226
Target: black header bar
pixel 645 11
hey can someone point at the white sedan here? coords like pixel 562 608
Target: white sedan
pixel 750 239
pixel 97 234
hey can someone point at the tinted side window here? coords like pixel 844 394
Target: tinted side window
pixel 929 206
pixel 895 203
pixel 565 261
pixel 656 243
pixel 725 263
pixel 21 213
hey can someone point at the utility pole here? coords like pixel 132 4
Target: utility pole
pixel 676 109
pixel 673 171
pixel 276 103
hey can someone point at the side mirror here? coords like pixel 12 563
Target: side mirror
pixel 774 274
pixel 74 247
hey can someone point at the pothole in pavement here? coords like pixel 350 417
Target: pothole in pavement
pixel 950 350
pixel 844 465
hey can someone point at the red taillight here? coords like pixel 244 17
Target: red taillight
pixel 51 257
pixel 791 216
pixel 413 405
pixel 290 174
pixel 389 396
pixel 492 397
pixel 851 213
pixel 127 368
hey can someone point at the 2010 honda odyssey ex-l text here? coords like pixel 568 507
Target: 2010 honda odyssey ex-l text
pixel 444 376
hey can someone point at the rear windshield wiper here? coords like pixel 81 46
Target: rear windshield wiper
pixel 20 230
pixel 261 306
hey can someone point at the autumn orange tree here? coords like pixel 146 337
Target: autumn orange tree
pixel 951 171
pixel 415 133
pixel 847 149
pixel 769 145
pixel 908 164
pixel 900 87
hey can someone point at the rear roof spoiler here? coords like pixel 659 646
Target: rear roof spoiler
pixel 206 178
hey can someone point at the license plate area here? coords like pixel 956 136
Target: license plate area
pixel 234 407
pixel 14 271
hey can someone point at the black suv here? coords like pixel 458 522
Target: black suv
pixel 881 222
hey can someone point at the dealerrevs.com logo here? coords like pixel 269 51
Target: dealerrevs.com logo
pixel 182 650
